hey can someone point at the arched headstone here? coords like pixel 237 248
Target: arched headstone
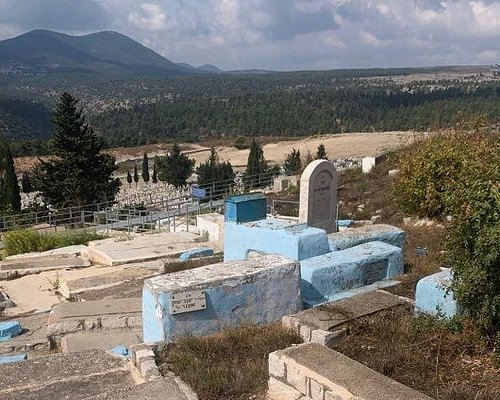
pixel 318 196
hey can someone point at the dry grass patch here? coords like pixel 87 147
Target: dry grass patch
pixel 445 360
pixel 230 365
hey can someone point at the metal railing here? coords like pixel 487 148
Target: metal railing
pixel 162 213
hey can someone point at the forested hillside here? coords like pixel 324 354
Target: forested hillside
pixel 140 111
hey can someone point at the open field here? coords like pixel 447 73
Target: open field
pixel 275 150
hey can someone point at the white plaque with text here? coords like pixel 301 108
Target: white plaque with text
pixel 182 302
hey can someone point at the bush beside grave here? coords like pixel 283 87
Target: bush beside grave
pixel 458 174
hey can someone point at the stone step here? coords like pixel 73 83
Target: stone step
pixel 72 317
pixel 103 340
pixel 75 376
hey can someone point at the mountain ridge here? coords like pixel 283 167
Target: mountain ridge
pixel 108 52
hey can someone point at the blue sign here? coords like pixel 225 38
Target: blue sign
pixel 198 192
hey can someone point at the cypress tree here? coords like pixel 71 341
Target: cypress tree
pixel 26 183
pixel 145 168
pixel 136 175
pixel 215 175
pixel 154 178
pixel 10 198
pixel 256 166
pixel 129 178
pixel 79 174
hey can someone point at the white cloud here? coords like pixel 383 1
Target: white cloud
pixel 282 34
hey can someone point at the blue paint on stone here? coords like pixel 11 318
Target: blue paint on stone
pixel 245 208
pixel 196 253
pixel 252 291
pixel 121 351
pixel 324 276
pixel 434 297
pixel 370 233
pixel 344 223
pixel 9 329
pixel 273 236
pixel 13 358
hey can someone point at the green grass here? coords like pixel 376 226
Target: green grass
pixel 230 365
pixel 27 241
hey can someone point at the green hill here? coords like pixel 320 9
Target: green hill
pixel 104 53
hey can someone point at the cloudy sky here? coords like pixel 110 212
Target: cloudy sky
pixel 281 34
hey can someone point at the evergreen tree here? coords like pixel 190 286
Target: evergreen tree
pixel 256 163
pixel 293 163
pixel 214 175
pixel 129 179
pixel 26 183
pixel 145 168
pixel 80 174
pixel 10 199
pixel 136 175
pixel 175 168
pixel 321 153
pixel 154 178
pixel 256 166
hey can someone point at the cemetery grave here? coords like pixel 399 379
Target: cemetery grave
pixel 320 282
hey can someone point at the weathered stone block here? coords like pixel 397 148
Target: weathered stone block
pixel 260 290
pixel 276 366
pixel 324 276
pixel 368 233
pixel 296 377
pixel 281 391
pixel 316 390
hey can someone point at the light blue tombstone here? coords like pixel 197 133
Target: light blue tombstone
pixel 196 253
pixel 433 295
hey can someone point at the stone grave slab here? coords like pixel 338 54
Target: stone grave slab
pixel 103 340
pixel 337 315
pixel 317 372
pixel 367 233
pixel 67 251
pixel 260 290
pixel 72 317
pixel 32 337
pixel 318 196
pixel 25 266
pixel 127 273
pixel 111 252
pixel 63 376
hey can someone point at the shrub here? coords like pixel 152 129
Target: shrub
pixel 458 174
pixel 26 241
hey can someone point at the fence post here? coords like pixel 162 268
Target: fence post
pixel 187 217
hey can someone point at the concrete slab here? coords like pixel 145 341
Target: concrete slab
pixel 63 376
pixel 318 372
pixel 70 287
pixel 103 340
pixel 338 314
pixel 38 293
pixel 144 248
pixel 153 390
pixel 72 317
pixel 25 266
pixel 75 250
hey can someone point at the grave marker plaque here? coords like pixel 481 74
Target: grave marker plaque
pixel 318 196
pixel 183 302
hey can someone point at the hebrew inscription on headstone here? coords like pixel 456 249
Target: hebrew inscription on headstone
pixel 182 302
pixel 318 196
